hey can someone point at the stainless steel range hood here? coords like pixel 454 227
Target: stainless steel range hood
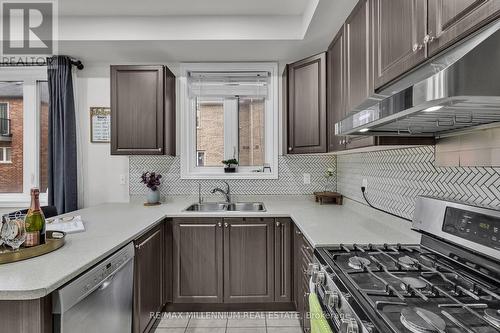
pixel 459 89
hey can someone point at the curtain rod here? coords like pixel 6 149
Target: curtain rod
pixel 75 62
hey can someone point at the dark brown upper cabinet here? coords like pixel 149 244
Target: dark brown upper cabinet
pixel 248 260
pixel 197 260
pixel 142 110
pixel 358 61
pixel 399 29
pixel 452 20
pixel 307 125
pixel 335 66
pixel 283 247
pixel 148 278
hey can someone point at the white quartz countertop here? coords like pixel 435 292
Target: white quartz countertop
pixel 111 226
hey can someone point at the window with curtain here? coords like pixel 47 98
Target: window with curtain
pixel 232 114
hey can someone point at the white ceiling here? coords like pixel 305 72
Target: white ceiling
pixel 259 30
pixel 181 7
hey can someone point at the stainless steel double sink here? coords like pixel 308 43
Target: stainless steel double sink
pixel 227 207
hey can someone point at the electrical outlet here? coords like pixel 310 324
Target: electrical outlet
pixel 123 179
pixel 307 178
pixel 364 183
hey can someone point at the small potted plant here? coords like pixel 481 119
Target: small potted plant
pixel 329 174
pixel 152 181
pixel 230 165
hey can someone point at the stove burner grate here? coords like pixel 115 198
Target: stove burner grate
pixel 417 324
pixel 358 262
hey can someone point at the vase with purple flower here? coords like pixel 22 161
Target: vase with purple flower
pixel 152 182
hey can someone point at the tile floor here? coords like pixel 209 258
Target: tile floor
pixel 229 322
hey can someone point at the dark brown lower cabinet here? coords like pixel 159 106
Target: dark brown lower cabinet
pixel 197 260
pixel 240 263
pixel 26 316
pixel 148 278
pixel 283 260
pixel 248 260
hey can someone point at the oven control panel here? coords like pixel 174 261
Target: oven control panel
pixel 473 226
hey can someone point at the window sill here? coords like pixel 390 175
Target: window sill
pixel 16 200
pixel 222 175
pixel 6 162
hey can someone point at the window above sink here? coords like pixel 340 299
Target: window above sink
pixel 229 110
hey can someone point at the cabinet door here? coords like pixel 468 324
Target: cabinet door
pixel 137 110
pixel 399 28
pixel 307 106
pixel 358 60
pixel 248 260
pixel 148 280
pixel 452 20
pixel 335 95
pixel 283 260
pixel 197 260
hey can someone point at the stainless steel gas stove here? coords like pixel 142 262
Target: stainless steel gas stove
pixel 450 282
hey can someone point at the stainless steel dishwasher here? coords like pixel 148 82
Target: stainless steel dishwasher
pixel 100 300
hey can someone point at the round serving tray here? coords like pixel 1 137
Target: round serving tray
pixel 53 241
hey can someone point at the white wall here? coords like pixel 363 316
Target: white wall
pixel 99 172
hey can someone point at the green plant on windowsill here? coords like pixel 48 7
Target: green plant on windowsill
pixel 230 165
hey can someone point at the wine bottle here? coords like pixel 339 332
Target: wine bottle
pixel 35 221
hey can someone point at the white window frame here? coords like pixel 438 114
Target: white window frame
pixel 31 133
pixel 4 159
pixel 189 170
pixel 8 115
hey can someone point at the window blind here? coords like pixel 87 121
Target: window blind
pixel 228 84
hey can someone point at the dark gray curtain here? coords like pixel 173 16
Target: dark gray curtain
pixel 63 192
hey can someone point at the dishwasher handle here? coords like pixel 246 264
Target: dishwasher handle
pixel 106 282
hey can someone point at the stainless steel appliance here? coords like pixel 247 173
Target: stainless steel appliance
pixel 453 91
pixel 450 282
pixel 100 300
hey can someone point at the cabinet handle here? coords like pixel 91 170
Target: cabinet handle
pixel 298 232
pixel 428 39
pixel 278 224
pixel 306 294
pixel 226 225
pixel 306 247
pixel 289 148
pixel 219 224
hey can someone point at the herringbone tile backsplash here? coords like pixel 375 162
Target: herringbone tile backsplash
pixel 291 170
pixel 396 177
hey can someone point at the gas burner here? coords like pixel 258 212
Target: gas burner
pixel 493 315
pixel 412 282
pixel 407 262
pixel 358 262
pixel 422 322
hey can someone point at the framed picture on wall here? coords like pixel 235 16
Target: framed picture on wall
pixel 100 124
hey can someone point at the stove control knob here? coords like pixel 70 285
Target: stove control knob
pixel 332 299
pixel 319 278
pixel 349 325
pixel 312 269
